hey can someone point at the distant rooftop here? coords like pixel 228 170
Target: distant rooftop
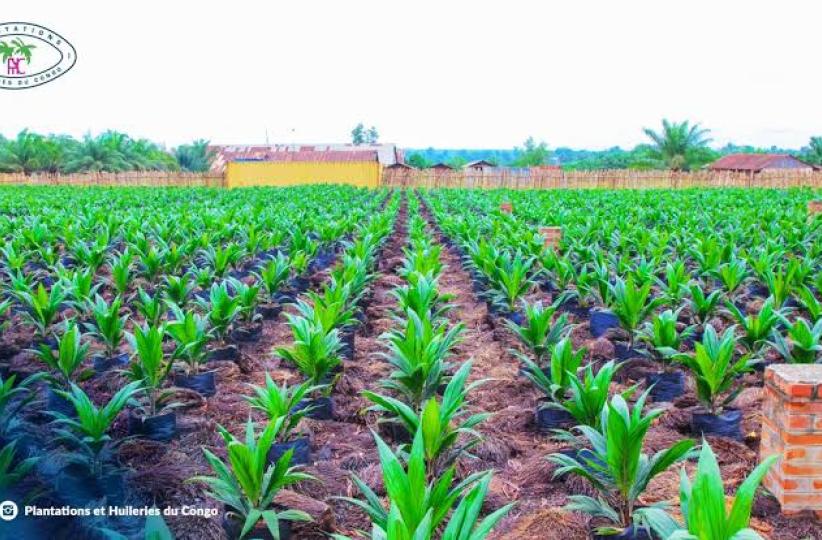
pixel 385 154
pixel 758 162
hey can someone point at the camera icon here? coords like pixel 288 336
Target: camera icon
pixel 8 510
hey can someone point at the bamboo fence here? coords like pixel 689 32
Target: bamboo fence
pixel 540 178
pixel 122 179
pixel 501 177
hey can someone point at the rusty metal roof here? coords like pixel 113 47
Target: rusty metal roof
pixel 385 154
pixel 757 162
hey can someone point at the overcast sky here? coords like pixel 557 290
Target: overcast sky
pixel 585 74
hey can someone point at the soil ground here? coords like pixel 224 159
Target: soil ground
pixel 344 446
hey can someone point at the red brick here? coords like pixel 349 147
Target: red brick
pixel 802 438
pixel 795 453
pixel 805 500
pixel 800 421
pixel 789 469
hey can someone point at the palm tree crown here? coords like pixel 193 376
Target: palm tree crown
pixel 678 143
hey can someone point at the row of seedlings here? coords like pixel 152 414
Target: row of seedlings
pixel 269 456
pixel 177 332
pixel 426 413
pixel 604 433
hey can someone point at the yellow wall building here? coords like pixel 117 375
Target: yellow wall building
pixel 290 165
pixel 292 173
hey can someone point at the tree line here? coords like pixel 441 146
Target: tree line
pixel 677 145
pixel 111 151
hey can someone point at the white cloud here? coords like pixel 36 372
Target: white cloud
pixel 447 74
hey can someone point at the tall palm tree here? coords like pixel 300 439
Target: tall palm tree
pixel 196 157
pixel 22 154
pixel 95 154
pixel 678 144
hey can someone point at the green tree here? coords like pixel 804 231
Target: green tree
pixel 358 134
pixel 95 154
pixel 23 154
pixel 532 154
pixel 372 136
pixel 813 153
pixel 196 157
pixel 457 162
pixel 418 160
pixel 679 145
pixel 361 135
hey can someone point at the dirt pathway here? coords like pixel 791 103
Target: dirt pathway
pixel 511 445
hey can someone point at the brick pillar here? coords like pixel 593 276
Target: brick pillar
pixel 792 430
pixel 552 235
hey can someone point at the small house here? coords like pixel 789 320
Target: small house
pixel 478 165
pixel 756 163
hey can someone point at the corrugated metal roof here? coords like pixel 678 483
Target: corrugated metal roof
pixel 328 155
pixel 756 162
pixel 385 154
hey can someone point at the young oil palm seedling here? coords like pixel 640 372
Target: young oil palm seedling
pixel 151 307
pixel 632 304
pixel 616 466
pixel 418 350
pixel 247 483
pixel 43 308
pixel 588 394
pixel 664 341
pixel 152 262
pixel 540 330
pixel 809 302
pixel 781 281
pixel 704 504
pixel 154 418
pixel 716 371
pixel 284 403
pixel 191 335
pixel 675 285
pixel 703 306
pixel 554 383
pixel 65 363
pixel 757 328
pixel 13 469
pixel 248 298
pixel 203 276
pixel 732 274
pixel 79 287
pixel 424 258
pixel 299 262
pixel 417 508
pixel 803 344
pixel 512 280
pixel 273 275
pixel 422 295
pixel 327 310
pixel 221 309
pixel 316 353
pixel 120 269
pixel 108 327
pixel 14 397
pixel 221 259
pixel 447 426
pixel 178 290
pixel 87 431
